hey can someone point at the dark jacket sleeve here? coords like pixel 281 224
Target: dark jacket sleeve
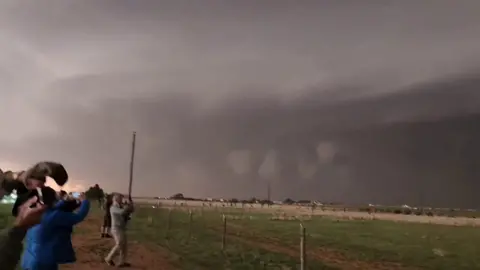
pixel 11 247
pixel 70 219
pixel 60 204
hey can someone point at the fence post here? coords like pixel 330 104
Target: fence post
pixel 224 235
pixel 303 251
pixel 169 222
pixel 190 221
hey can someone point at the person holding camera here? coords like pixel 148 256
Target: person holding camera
pixel 29 214
pixel 29 208
pixel 49 243
pixel 120 213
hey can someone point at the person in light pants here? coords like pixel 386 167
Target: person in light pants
pixel 119 213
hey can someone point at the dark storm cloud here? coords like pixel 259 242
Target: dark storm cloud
pixel 225 83
pixel 183 147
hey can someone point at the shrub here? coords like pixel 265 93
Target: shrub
pixel 288 201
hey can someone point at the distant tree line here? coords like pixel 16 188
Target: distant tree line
pixel 95 192
pixel 289 201
pixel 420 211
pixel 335 206
pixel 180 196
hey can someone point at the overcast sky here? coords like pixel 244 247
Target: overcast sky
pixel 77 77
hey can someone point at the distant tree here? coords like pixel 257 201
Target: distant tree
pixel 233 202
pixel 267 202
pixel 95 192
pixel 304 202
pixel 178 196
pixel 288 201
pixel 397 211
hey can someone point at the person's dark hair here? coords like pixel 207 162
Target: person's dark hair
pixel 108 203
pixel 49 196
pixel 9 184
pixel 39 178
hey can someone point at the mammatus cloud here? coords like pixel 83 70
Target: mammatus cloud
pixel 336 90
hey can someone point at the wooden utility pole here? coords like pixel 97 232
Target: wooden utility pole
pixel 131 165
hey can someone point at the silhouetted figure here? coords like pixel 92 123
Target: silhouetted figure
pixel 107 217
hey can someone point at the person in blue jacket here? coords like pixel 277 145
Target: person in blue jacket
pixel 49 243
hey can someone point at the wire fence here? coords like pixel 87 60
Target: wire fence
pixel 230 232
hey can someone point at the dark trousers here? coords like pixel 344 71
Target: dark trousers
pixel 107 221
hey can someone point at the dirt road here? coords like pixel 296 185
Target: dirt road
pixel 91 249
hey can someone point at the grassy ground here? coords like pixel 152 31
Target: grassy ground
pixel 198 245
pixel 261 243
pixel 331 244
pixel 5 215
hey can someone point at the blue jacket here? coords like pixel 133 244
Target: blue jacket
pixel 50 242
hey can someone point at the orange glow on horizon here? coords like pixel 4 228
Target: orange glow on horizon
pixel 71 186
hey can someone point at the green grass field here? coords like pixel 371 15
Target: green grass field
pixel 330 244
pixel 261 243
pixel 5 215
